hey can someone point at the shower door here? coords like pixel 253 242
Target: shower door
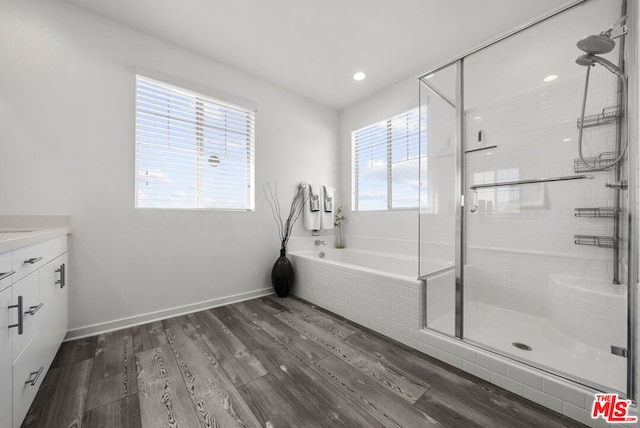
pixel 438 144
pixel 540 276
pixel 523 247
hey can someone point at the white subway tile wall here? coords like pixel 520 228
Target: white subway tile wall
pixel 516 243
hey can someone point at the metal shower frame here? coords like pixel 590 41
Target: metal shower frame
pixel 633 252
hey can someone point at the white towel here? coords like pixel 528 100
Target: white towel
pixel 313 197
pixel 328 207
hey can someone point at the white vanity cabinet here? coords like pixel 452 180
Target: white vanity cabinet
pixel 34 309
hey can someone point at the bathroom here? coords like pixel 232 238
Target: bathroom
pixel 68 125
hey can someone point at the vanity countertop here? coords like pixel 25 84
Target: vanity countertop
pixel 10 239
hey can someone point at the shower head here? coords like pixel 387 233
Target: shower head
pixel 590 59
pixel 602 43
pixel 597 44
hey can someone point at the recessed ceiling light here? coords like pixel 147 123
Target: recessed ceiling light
pixel 566 139
pixel 550 78
pixel 359 76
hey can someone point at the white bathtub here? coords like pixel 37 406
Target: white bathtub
pixel 384 263
pixel 378 290
pixel 364 260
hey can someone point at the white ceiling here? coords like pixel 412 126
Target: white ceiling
pixel 313 47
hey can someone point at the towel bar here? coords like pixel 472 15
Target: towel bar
pixel 534 180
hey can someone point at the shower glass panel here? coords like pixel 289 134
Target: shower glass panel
pixel 437 203
pixel 539 257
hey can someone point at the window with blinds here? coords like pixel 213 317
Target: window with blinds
pixel 192 151
pixel 386 162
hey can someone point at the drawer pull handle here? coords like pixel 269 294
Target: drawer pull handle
pixel 4 275
pixel 20 323
pixel 33 377
pixel 33 309
pixel 33 260
pixel 63 277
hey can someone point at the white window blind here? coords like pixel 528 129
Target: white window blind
pixel 192 151
pixel 386 162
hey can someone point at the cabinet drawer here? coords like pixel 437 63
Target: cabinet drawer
pixel 28 372
pixel 29 289
pixel 32 257
pixel 6 277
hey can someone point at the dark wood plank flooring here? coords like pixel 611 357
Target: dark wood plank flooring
pixel 266 362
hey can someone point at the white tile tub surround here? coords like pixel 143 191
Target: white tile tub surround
pixel 389 303
pixel 440 300
pixel 385 301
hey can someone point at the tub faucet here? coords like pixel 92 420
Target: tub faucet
pixel 319 242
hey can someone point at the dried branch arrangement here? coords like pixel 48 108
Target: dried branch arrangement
pixel 285 227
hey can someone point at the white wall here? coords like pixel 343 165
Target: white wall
pixel 398 229
pixel 67 147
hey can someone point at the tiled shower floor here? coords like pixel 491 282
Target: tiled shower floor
pixel 497 328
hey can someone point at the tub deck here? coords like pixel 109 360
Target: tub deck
pixel 364 261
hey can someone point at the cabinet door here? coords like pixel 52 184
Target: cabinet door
pixel 62 298
pixel 5 358
pixel 54 295
pixel 28 372
pixel 28 289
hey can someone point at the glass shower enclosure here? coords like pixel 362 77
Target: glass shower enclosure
pixel 535 240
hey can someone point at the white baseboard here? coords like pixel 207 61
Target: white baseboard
pixel 105 327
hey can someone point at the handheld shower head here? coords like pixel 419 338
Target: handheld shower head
pixel 588 60
pixel 585 60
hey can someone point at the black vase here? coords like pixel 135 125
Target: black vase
pixel 282 275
